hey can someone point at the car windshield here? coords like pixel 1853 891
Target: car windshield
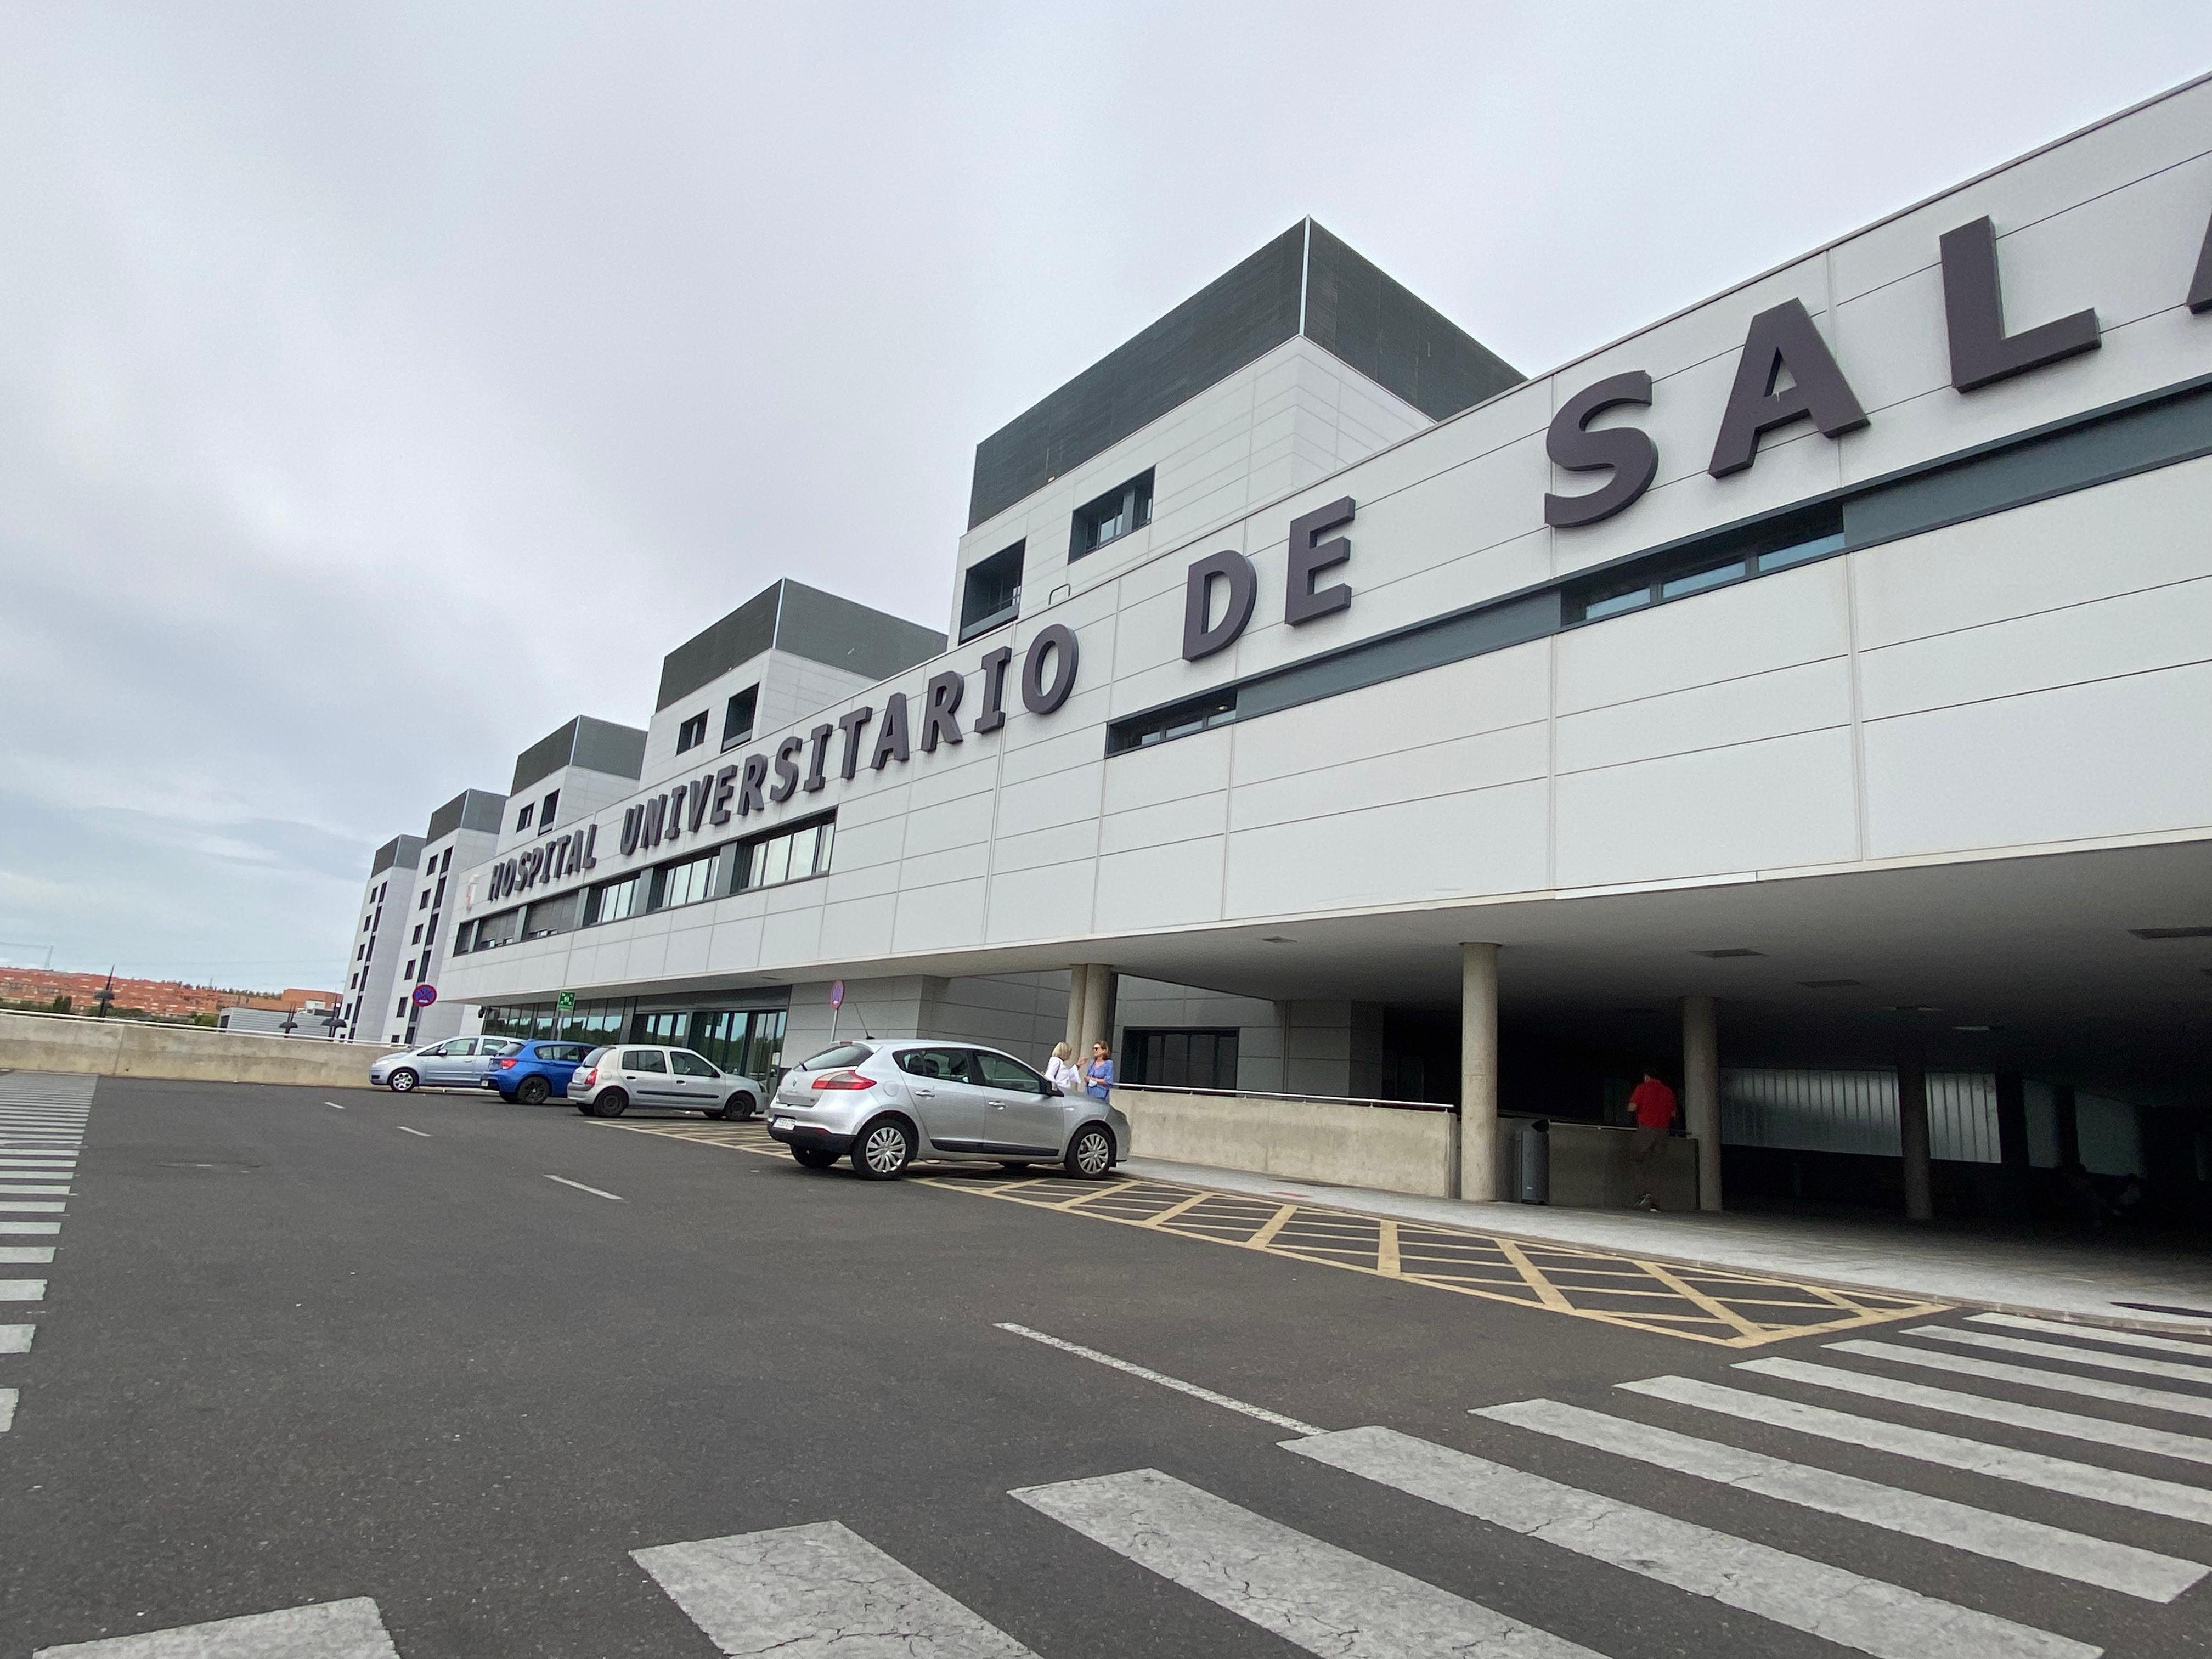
pixel 830 1060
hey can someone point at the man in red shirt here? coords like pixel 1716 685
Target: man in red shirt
pixel 1653 1102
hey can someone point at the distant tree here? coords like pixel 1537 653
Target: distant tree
pixel 61 1005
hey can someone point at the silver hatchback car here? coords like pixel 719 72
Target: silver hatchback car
pixel 886 1103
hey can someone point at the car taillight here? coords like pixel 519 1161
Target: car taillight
pixel 505 1064
pixel 591 1076
pixel 841 1080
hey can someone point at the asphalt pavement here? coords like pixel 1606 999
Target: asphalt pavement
pixel 439 1376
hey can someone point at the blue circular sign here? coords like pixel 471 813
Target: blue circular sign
pixel 425 996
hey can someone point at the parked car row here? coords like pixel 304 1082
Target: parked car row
pixel 604 1081
pixel 882 1104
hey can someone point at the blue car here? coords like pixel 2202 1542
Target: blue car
pixel 536 1071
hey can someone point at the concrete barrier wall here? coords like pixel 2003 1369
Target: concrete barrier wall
pixel 1398 1152
pixel 1590 1169
pixel 130 1048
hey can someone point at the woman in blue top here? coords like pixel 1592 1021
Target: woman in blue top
pixel 1100 1072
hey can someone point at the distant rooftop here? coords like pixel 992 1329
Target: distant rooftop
pixel 1305 281
pixel 789 615
pixel 472 809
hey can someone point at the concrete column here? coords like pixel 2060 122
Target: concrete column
pixel 1701 1092
pixel 2012 1143
pixel 1098 1009
pixel 1478 1071
pixel 1912 1136
pixel 2066 1123
pixel 1076 976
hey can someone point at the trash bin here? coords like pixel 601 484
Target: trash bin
pixel 1534 1145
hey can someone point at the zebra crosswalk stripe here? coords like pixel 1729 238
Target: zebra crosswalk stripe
pixel 326 1630
pixel 1996 1370
pixel 2026 1468
pixel 1311 1593
pixel 2072 1354
pixel 2141 1340
pixel 809 1592
pixel 2072 1425
pixel 1884 1619
pixel 2030 1543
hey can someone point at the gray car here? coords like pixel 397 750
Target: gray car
pixel 613 1079
pixel 456 1063
pixel 885 1104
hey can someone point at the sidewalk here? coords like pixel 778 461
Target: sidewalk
pixel 2064 1278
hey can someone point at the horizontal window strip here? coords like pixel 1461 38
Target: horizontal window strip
pixel 2159 429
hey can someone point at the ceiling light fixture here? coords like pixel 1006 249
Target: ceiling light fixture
pixel 1732 951
pixel 1830 984
pixel 1914 1008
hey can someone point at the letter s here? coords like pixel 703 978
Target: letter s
pixel 1627 451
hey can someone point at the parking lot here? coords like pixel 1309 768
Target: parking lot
pixel 469 1378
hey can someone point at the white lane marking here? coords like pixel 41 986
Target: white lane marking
pixel 327 1630
pixel 2098 1333
pixel 16 1339
pixel 404 1130
pixel 2071 1425
pixel 2072 1356
pixel 25 1253
pixel 334 1106
pixel 7 1410
pixel 2026 1468
pixel 1276 1418
pixel 581 1187
pixel 2028 1544
pixel 31 1207
pixel 811 1591
pixel 1876 1618
pixel 1996 1370
pixel 18 1189
pixel 22 1290
pixel 28 1229
pixel 1323 1599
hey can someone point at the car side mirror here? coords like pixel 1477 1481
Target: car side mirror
pixel 1055 1089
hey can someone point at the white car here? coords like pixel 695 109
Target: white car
pixel 612 1080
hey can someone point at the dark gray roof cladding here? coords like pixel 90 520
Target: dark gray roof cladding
pixel 804 620
pixel 1395 338
pixel 472 809
pixel 595 746
pixel 1235 319
pixel 405 851
pixel 1341 302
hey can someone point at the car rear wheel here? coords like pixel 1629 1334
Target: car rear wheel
pixel 813 1157
pixel 403 1081
pixel 745 1107
pixel 613 1103
pixel 883 1150
pixel 533 1092
pixel 1090 1154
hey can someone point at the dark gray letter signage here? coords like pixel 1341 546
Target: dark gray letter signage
pixel 1626 451
pixel 1982 353
pixel 1233 568
pixel 1300 603
pixel 994 689
pixel 940 709
pixel 1054 645
pixel 1782 341
pixel 2200 285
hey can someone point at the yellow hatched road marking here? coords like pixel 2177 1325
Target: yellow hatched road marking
pixel 1720 1306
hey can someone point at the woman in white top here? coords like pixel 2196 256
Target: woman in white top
pixel 1061 1072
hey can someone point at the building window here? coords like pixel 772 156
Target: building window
pixel 464 936
pixel 991 592
pixel 787 855
pixel 409 972
pixel 552 916
pixel 1713 562
pixel 441 897
pixel 417 937
pixel 692 733
pixel 1180 1060
pixel 400 1012
pixel 686 883
pixel 1121 509
pixel 545 809
pixel 613 900
pixel 737 718
pixel 423 903
pixel 522 818
pixel 445 862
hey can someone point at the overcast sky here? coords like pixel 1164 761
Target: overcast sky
pixel 382 385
